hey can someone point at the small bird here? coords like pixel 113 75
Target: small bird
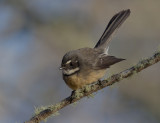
pixel 87 65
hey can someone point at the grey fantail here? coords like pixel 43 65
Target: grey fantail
pixel 88 65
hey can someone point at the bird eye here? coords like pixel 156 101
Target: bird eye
pixel 71 64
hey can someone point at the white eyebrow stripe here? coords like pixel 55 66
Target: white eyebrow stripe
pixel 69 61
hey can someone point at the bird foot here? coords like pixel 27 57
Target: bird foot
pixel 72 96
pixel 100 82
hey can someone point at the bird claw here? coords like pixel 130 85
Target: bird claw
pixel 100 82
pixel 72 96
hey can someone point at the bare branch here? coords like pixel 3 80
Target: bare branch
pixel 47 111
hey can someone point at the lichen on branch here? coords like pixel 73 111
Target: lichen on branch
pixel 44 112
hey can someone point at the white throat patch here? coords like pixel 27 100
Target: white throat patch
pixel 69 72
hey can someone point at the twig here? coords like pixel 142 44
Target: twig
pixel 47 111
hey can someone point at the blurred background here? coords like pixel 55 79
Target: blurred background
pixel 34 36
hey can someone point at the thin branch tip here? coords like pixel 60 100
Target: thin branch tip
pixel 47 111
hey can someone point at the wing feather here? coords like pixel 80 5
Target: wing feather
pixel 106 61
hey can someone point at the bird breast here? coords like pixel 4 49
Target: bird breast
pixel 78 80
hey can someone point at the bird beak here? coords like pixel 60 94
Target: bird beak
pixel 61 68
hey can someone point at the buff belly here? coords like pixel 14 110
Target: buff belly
pixel 78 80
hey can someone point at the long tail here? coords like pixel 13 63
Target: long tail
pixel 112 26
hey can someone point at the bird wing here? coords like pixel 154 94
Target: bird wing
pixel 105 61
